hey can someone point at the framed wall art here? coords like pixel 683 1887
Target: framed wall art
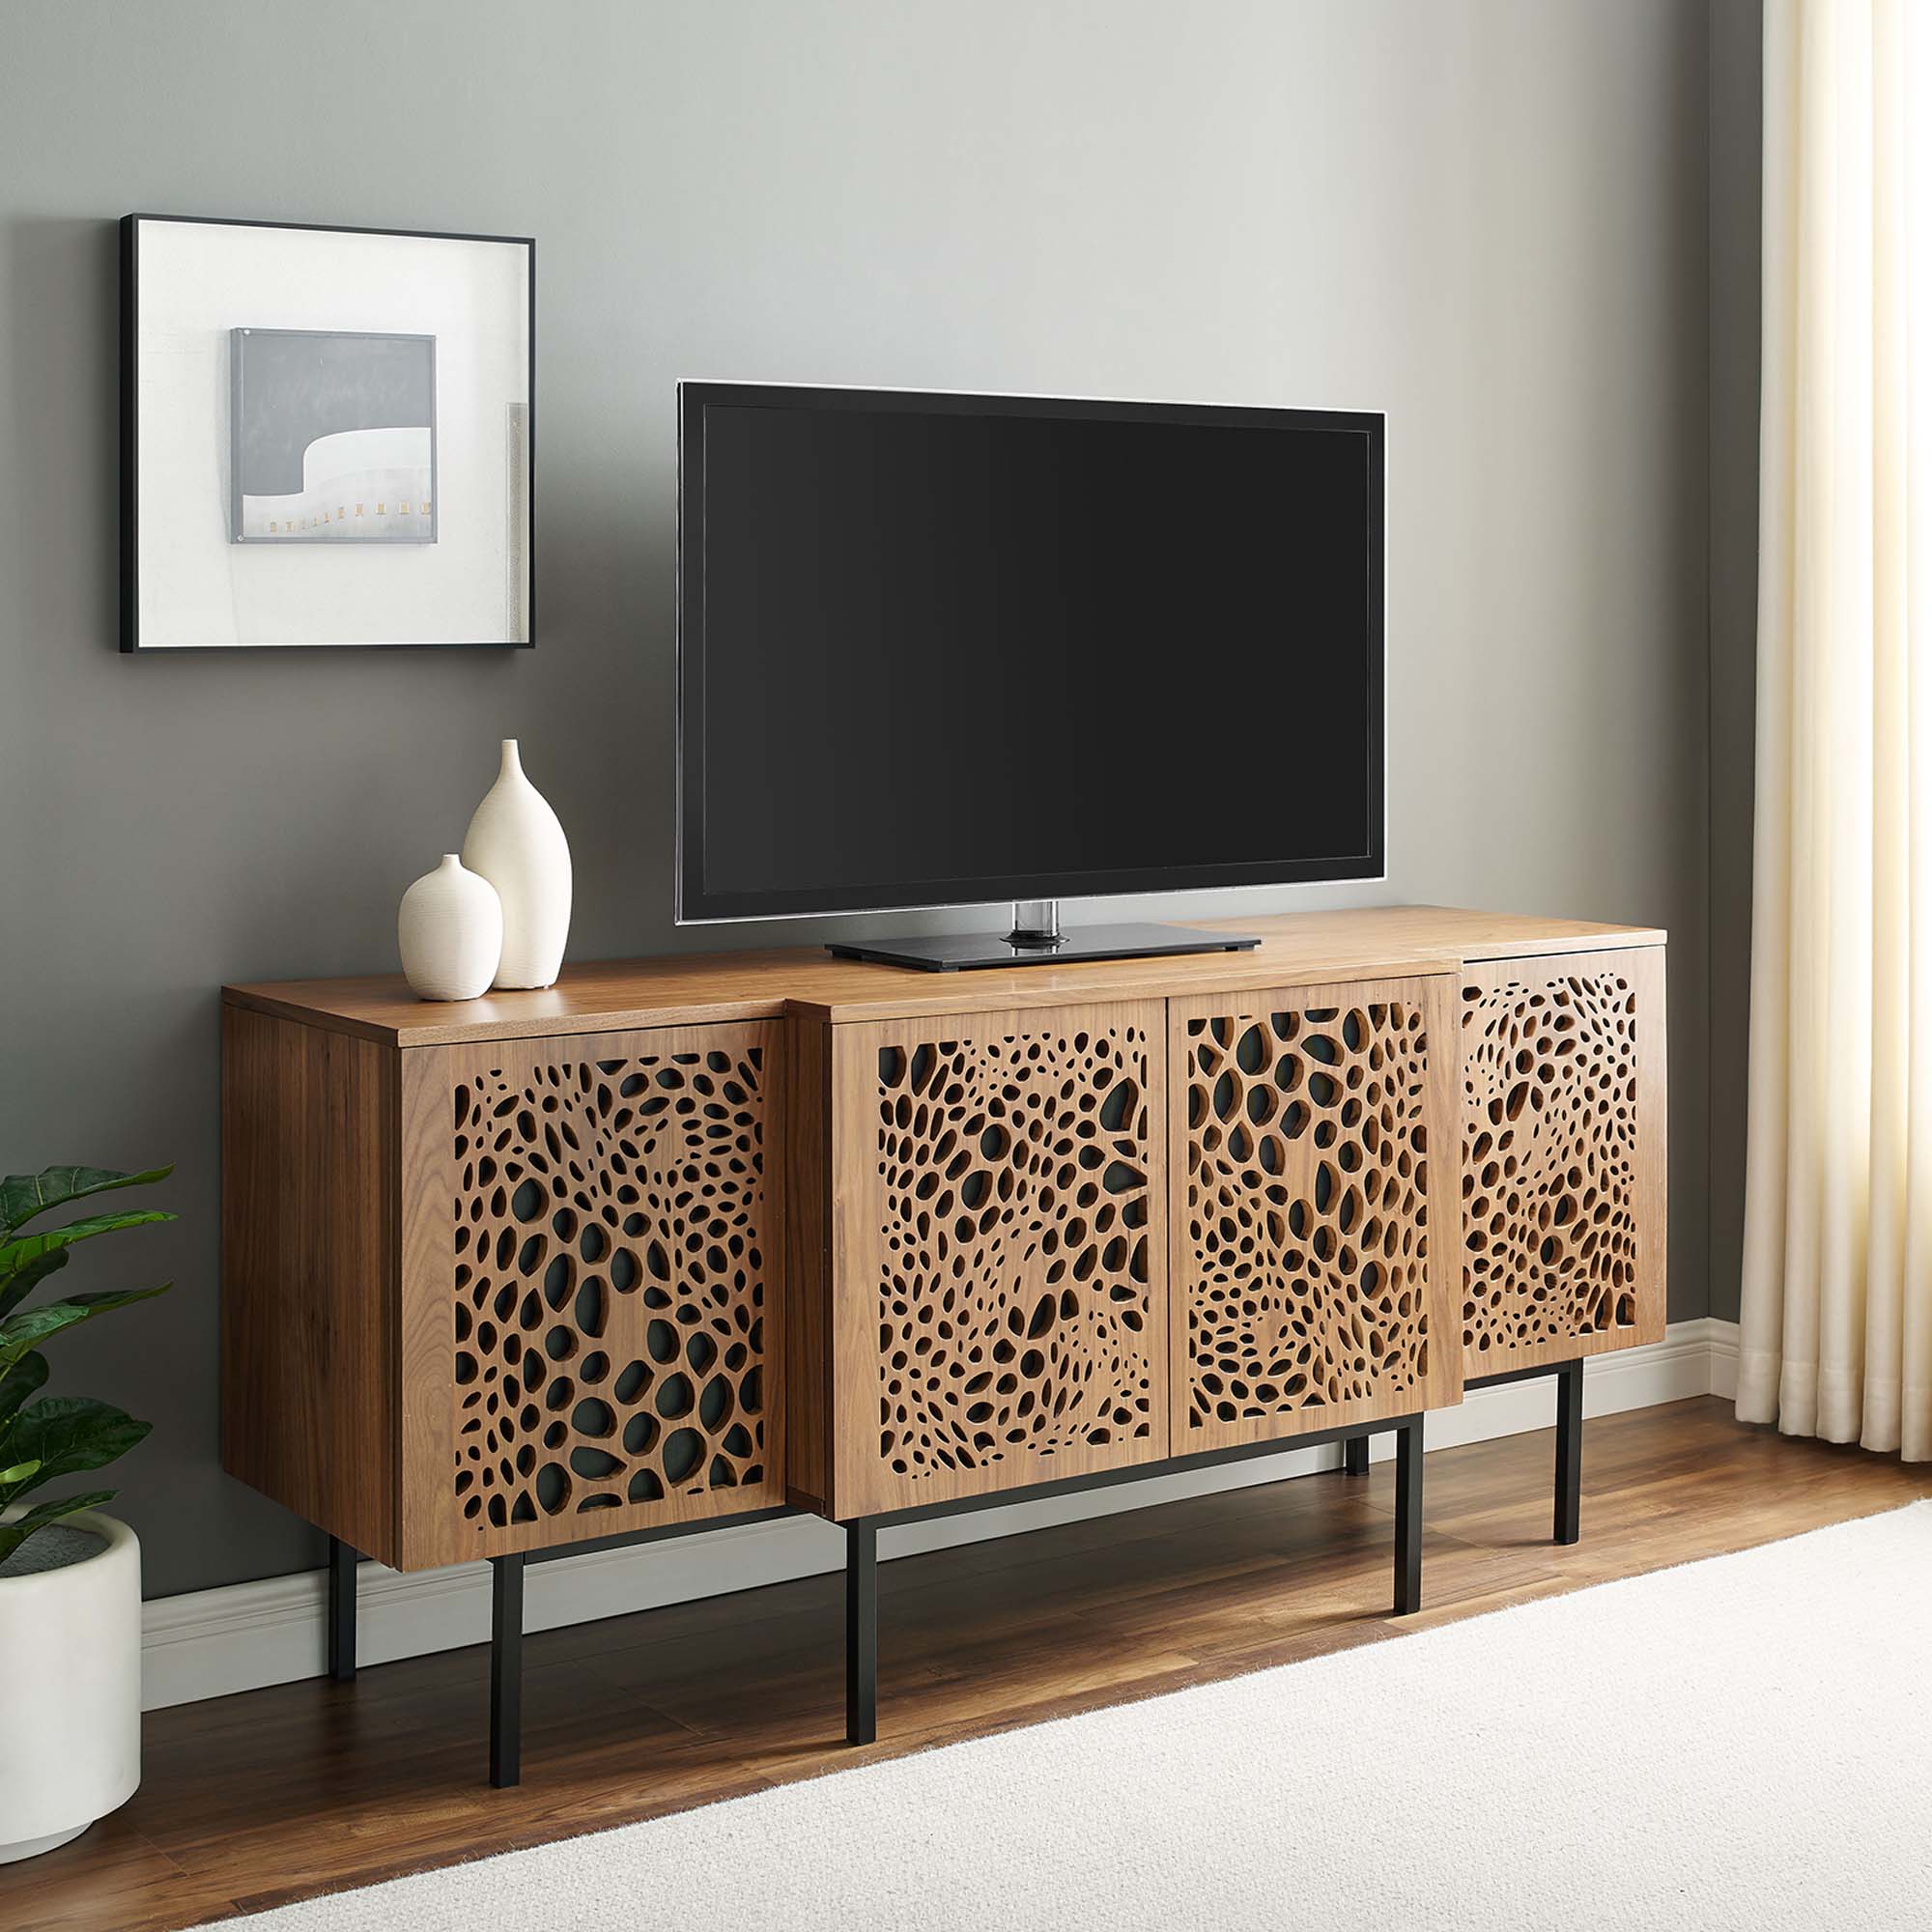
pixel 328 437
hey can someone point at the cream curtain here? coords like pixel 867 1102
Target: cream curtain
pixel 1836 1326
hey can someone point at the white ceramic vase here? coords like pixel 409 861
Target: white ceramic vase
pixel 516 842
pixel 450 929
pixel 70 1726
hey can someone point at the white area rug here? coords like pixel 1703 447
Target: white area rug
pixel 1745 1742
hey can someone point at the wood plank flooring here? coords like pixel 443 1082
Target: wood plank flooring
pixel 278 1794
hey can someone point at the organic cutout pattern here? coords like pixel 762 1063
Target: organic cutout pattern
pixel 609 1283
pixel 1548 1162
pixel 1013 1292
pixel 1307 1210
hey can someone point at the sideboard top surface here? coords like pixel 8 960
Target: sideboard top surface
pixel 1296 948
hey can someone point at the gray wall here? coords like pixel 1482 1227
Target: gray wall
pixel 1488 219
pixel 1737 133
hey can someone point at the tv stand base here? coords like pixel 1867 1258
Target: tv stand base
pixel 1568 1527
pixel 831 1168
pixel 965 951
pixel 861 1538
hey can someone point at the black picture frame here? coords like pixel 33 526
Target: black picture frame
pixel 130 226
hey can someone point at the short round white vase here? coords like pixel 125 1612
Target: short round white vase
pixel 71 1721
pixel 516 842
pixel 450 929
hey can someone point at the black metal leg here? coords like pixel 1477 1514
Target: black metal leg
pixel 1409 1517
pixel 862 1632
pixel 1355 1456
pixel 342 1561
pixel 506 1670
pixel 1569 1452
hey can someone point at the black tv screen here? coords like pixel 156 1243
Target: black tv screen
pixel 944 649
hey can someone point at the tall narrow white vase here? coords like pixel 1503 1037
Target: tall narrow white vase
pixel 515 841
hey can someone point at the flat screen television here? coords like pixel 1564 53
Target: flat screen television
pixel 944 650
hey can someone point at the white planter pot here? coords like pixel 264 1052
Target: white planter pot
pixel 516 842
pixel 450 929
pixel 71 1714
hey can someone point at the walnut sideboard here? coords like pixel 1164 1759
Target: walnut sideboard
pixel 688 1240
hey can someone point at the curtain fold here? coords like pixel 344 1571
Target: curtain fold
pixel 1836 1302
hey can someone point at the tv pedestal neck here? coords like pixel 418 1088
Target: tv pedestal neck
pixel 1038 939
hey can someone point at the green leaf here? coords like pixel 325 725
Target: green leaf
pixel 27 1326
pixel 64 1435
pixel 14 1289
pixel 23 1250
pixel 22 1196
pixel 19 1473
pixel 30 1257
pixel 13 1534
pixel 17 1384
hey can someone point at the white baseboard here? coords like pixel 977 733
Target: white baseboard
pixel 211 1642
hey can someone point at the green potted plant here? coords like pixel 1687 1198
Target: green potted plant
pixel 70 1578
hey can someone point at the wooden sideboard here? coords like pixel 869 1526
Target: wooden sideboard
pixel 687 1240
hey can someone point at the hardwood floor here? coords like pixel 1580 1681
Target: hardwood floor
pixel 253 1800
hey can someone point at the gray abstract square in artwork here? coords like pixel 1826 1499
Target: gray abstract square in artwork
pixel 334 436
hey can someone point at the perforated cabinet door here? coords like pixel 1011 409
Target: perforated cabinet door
pixel 1314 1207
pixel 1563 1135
pixel 590 1296
pixel 999 1251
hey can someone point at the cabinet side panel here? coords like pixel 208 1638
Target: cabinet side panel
pixel 807 1155
pixel 1000 1251
pixel 308 1139
pixel 1313 1207
pixel 1563 1147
